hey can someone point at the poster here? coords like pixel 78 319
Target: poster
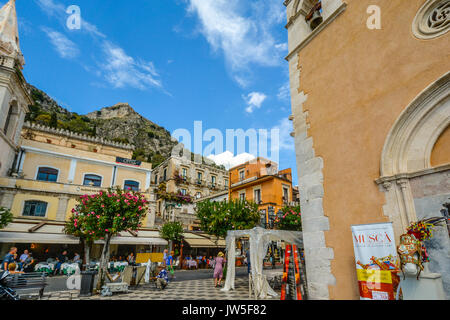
pixel 376 261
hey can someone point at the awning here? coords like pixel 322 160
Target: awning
pixel 19 232
pixel 205 243
pixel 139 240
pixel 22 237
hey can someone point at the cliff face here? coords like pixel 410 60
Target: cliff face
pixel 117 123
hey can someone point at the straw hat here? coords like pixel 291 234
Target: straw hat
pixel 220 254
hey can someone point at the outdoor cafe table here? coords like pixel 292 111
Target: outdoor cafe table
pixel 192 263
pixel 44 267
pixel 69 268
pixel 117 266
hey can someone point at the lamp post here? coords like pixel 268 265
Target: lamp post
pixel 271 217
pixel 263 220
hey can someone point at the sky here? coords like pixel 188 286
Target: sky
pixel 175 62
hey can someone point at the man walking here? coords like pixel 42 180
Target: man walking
pixel 169 265
pixel 9 258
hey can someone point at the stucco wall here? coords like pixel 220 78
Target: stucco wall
pixel 357 83
pixel 441 151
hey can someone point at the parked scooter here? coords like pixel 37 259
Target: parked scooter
pixel 6 293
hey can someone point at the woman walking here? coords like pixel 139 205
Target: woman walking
pixel 218 269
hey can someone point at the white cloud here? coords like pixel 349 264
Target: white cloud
pixel 122 70
pixel 54 8
pixel 254 101
pixel 284 92
pixel 117 67
pixel 63 46
pixel 229 160
pixel 243 34
pixel 286 141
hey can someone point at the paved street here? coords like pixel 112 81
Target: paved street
pixel 177 290
pixel 58 283
pixel 188 285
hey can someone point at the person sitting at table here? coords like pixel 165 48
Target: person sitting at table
pixel 29 263
pixel 77 258
pixel 22 259
pixel 62 258
pixel 131 259
pixel 162 279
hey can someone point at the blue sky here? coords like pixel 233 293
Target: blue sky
pixel 175 62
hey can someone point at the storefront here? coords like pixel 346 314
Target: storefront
pixel 47 239
pixel 200 244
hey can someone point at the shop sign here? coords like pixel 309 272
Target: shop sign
pixel 130 162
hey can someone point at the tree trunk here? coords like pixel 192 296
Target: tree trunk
pixel 87 253
pixel 104 261
pixel 181 255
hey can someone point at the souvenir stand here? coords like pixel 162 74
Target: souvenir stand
pixel 259 240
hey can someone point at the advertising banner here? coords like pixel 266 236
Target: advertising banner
pixel 376 261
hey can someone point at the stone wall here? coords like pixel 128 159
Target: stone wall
pixel 430 193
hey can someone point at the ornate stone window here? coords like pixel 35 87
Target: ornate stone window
pixel 432 20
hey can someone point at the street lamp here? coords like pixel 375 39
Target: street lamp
pixel 271 217
pixel 263 220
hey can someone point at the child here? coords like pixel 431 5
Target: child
pixel 162 278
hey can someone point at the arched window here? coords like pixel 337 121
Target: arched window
pixel 47 174
pixel 92 180
pixel 34 209
pixel 131 185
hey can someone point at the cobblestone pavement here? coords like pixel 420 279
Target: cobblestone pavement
pixel 184 290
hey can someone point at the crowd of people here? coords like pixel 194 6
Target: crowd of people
pixel 14 263
pixel 25 263
pixel 167 267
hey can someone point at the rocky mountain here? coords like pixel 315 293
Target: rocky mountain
pixel 117 123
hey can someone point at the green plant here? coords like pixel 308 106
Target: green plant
pixel 290 220
pixel 104 215
pixel 54 120
pixel 172 231
pixel 6 217
pixel 217 218
pixel 44 119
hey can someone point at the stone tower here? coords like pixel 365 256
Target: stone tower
pixel 14 98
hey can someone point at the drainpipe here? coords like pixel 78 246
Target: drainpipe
pixel 113 181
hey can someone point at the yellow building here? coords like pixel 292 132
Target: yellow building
pixel 53 169
pixel 182 176
pixel 260 181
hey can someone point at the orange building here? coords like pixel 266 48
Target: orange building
pixel 260 181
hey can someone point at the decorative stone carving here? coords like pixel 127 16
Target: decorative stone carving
pixel 432 20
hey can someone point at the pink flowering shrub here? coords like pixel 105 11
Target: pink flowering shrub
pixel 291 219
pixel 104 215
pixel 110 212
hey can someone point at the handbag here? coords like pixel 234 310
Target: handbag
pixel 171 270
